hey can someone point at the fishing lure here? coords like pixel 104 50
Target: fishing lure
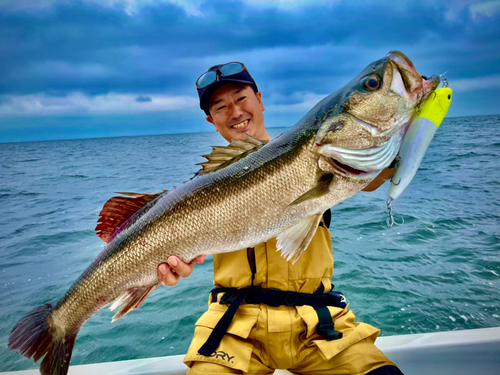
pixel 416 141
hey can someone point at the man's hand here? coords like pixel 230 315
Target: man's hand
pixel 169 273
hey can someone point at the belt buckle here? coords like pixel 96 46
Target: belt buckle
pixel 328 332
pixel 229 297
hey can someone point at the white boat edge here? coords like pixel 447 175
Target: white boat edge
pixel 475 351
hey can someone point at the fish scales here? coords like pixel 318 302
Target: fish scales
pixel 281 188
pixel 183 218
pixel 269 174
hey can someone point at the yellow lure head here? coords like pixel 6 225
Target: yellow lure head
pixel 436 106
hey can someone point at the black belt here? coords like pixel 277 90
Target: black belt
pixel 273 297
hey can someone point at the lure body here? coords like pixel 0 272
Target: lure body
pixel 418 138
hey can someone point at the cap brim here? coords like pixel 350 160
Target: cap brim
pixel 209 91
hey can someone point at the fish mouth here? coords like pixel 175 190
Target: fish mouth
pixel 429 85
pixel 346 170
pixel 403 62
pixel 366 163
pixel 407 81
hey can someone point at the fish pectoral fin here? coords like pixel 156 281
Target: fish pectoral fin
pixel 223 156
pixel 294 241
pixel 130 300
pixel 118 210
pixel 322 188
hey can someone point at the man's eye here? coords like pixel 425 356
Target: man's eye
pixel 222 107
pixel 242 98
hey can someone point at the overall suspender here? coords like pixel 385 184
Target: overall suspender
pixel 233 297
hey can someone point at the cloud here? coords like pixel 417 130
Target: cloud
pixel 81 56
pixel 78 103
pixel 298 102
pixel 197 8
pixel 41 104
pixel 143 99
pixel 475 84
pixel 290 5
pixel 487 8
pixel 130 7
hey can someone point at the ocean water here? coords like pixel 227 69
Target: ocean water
pixel 438 271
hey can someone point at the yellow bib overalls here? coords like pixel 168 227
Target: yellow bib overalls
pixel 262 338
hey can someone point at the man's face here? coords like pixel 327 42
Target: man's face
pixel 237 111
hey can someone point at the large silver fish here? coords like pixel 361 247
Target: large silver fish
pixel 250 192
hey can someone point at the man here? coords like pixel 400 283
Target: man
pixel 257 337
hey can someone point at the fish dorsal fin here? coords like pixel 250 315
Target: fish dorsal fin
pixel 223 156
pixel 118 210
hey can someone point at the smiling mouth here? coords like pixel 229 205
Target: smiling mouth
pixel 240 125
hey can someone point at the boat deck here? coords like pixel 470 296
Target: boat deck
pixel 465 352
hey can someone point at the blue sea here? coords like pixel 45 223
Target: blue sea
pixel 438 271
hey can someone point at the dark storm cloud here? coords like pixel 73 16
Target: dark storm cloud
pixel 95 49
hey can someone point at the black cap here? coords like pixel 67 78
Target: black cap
pixel 206 92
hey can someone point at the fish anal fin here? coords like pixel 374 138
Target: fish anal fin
pixel 223 156
pixel 322 188
pixel 294 241
pixel 130 300
pixel 118 210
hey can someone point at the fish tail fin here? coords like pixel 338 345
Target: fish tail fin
pixel 33 337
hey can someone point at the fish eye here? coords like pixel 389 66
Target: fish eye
pixel 371 83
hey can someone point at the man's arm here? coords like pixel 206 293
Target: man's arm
pixel 169 273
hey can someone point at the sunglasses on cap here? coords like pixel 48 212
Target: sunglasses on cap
pixel 226 70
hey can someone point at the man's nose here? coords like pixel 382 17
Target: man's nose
pixel 236 111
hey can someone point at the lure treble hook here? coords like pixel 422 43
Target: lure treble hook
pixel 390 220
pixel 444 81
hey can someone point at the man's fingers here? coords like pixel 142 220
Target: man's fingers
pixel 198 259
pixel 181 268
pixel 166 276
pixel 169 273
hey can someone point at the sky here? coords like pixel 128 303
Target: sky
pixel 100 68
